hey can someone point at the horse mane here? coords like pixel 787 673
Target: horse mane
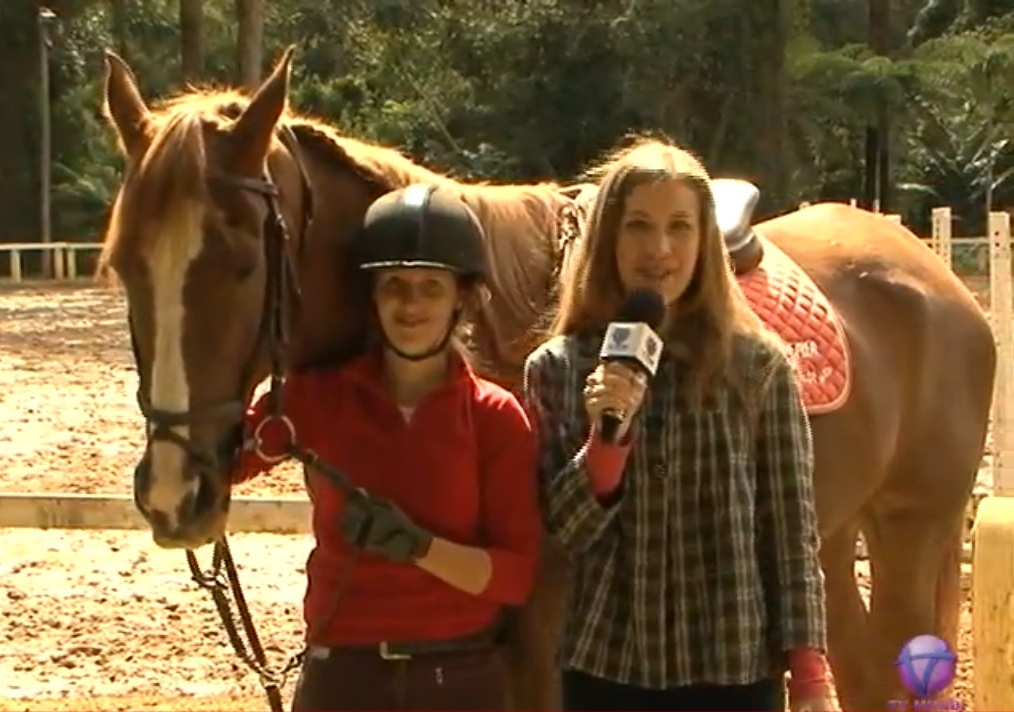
pixel 521 221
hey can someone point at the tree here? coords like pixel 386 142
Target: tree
pixel 19 120
pixel 249 42
pixel 192 38
pixel 120 27
pixel 878 163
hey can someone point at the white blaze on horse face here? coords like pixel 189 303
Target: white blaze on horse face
pixel 173 251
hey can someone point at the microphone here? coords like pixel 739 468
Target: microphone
pixel 632 341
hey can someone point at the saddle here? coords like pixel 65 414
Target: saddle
pixel 735 202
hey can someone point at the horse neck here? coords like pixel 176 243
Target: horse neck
pixel 330 320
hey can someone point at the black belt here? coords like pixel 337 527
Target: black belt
pixel 406 650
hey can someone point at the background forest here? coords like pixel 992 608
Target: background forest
pixel 907 103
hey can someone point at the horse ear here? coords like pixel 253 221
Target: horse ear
pixel 572 191
pixel 124 106
pixel 577 191
pixel 253 129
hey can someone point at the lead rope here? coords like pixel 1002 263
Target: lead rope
pixel 253 657
pixel 252 654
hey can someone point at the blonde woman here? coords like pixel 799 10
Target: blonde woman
pixel 692 533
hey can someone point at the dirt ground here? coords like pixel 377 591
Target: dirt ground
pixel 104 620
pixel 106 614
pixel 68 410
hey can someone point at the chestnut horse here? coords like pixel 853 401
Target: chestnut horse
pixel 215 183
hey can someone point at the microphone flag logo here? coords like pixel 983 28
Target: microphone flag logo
pixel 621 336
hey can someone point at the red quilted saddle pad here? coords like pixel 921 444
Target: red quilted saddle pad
pixel 789 302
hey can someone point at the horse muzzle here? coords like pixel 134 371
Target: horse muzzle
pixel 184 492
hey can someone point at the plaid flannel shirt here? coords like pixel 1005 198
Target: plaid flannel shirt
pixel 705 569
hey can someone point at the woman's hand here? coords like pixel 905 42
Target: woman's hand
pixel 617 388
pixel 379 526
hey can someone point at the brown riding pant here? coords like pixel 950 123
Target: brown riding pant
pixel 358 679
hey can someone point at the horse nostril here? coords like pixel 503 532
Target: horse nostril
pixel 207 489
pixel 207 493
pixel 142 483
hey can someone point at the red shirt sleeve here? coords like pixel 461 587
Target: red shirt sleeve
pixel 604 462
pixel 810 675
pixel 274 433
pixel 512 522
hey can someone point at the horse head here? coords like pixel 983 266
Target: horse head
pixel 198 238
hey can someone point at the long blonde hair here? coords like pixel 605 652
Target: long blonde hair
pixel 712 311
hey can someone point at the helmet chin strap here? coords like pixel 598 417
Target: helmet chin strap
pixel 431 351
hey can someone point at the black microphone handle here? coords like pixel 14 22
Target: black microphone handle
pixel 610 427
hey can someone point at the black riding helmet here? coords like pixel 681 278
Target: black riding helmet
pixel 422 226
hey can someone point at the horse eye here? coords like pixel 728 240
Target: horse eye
pixel 233 224
pixel 238 256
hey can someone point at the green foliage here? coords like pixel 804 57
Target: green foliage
pixel 522 90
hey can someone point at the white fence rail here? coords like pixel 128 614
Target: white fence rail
pixel 60 260
pixel 289 515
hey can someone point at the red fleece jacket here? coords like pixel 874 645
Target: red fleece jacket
pixel 464 467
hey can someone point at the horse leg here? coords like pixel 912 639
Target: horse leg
pixel 846 615
pixel 908 551
pixel 533 635
pixel 949 593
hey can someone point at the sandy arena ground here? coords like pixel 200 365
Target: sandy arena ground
pixel 68 412
pixel 104 620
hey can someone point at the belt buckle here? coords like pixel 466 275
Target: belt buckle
pixel 386 654
pixel 318 652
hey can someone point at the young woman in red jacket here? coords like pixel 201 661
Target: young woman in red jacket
pixel 444 528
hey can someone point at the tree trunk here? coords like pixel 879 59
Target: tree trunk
pixel 878 135
pixel 20 123
pixel 766 29
pixel 118 16
pixel 191 39
pixel 249 42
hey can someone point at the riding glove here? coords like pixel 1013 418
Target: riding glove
pixel 379 526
